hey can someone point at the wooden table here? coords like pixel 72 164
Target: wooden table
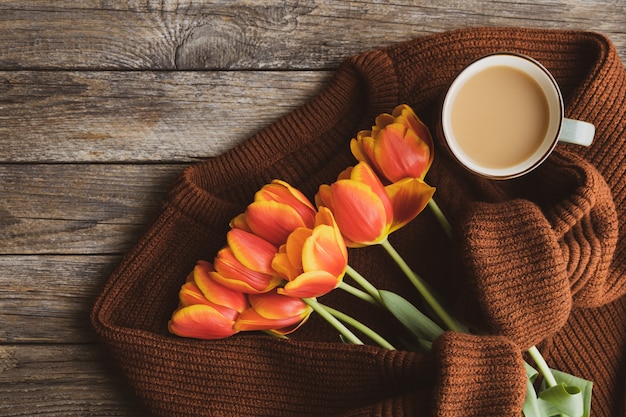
pixel 103 103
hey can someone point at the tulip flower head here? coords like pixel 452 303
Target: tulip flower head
pixel 313 261
pixel 365 210
pixel 245 264
pixel 207 309
pixel 359 204
pixel 278 209
pixel 275 312
pixel 398 146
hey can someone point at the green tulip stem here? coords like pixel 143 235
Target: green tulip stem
pixel 364 283
pixel 420 285
pixel 360 327
pixel 357 293
pixel 333 321
pixel 543 366
pixel 445 224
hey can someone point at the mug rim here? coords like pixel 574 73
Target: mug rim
pixel 547 146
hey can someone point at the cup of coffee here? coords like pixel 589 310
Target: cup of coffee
pixel 503 115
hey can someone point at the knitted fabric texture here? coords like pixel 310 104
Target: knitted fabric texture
pixel 538 260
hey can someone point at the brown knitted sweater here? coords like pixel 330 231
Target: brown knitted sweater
pixel 539 260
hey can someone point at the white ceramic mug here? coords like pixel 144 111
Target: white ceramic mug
pixel 503 115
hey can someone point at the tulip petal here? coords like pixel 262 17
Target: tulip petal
pixel 252 251
pixel 288 329
pixel 311 284
pixel 400 153
pixel 294 246
pixel 273 221
pixel 364 173
pixel 408 197
pixel 325 216
pixel 385 119
pixel 359 212
pixel 345 174
pixel 245 286
pixel 363 147
pixel 214 291
pixel 252 320
pixel 398 146
pixel 190 294
pixel 202 322
pixel 405 114
pixel 282 192
pixel 324 197
pixel 240 222
pixel 233 274
pixel 283 267
pixel 273 305
pixel 325 250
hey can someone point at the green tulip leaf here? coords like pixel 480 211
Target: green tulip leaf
pixel 562 399
pixel 571 396
pixel 423 328
pixel 531 407
pixel 531 372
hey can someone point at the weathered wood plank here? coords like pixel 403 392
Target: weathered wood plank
pixel 110 116
pixel 61 381
pixel 64 226
pixel 48 299
pixel 248 34
pixel 79 209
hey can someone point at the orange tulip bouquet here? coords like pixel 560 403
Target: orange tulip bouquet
pixel 285 252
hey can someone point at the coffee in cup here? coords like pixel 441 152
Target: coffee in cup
pixel 503 115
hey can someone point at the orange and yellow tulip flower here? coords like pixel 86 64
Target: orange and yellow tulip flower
pixel 201 321
pixel 275 312
pixel 313 261
pixel 207 310
pixel 278 209
pixel 365 210
pixel 398 146
pixel 245 264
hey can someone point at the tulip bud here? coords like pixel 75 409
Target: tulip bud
pixel 359 204
pixel 207 309
pixel 365 210
pixel 278 209
pixel 313 261
pixel 398 146
pixel 275 312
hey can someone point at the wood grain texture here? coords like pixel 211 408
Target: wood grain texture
pixel 47 299
pixel 104 102
pixel 248 34
pixel 62 380
pixel 78 209
pixel 113 116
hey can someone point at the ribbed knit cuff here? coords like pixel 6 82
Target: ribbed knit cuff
pixel 585 222
pixel 532 254
pixel 514 261
pixel 478 376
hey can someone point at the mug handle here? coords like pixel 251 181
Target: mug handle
pixel 577 132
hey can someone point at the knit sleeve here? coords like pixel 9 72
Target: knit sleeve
pixel 478 376
pixel 535 253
